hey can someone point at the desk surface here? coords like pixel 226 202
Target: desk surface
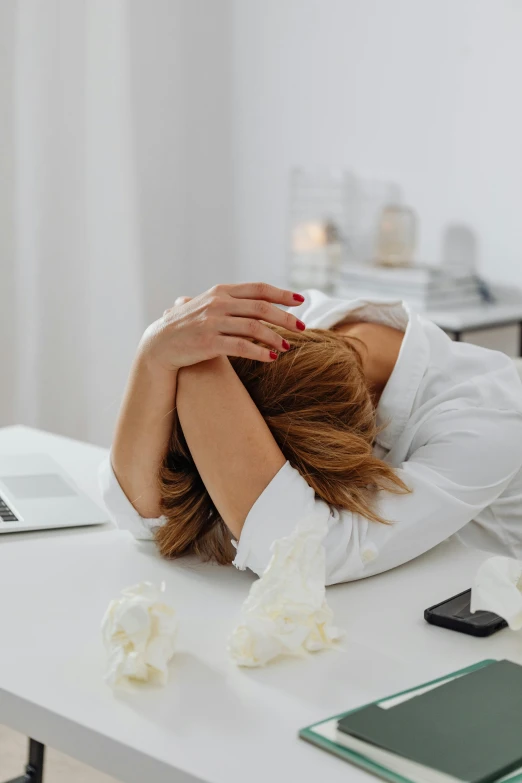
pixel 213 722
pixel 478 317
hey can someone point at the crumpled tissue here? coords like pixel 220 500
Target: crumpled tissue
pixel 498 588
pixel 286 612
pixel 139 632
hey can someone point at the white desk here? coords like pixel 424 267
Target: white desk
pixel 213 722
pixel 474 319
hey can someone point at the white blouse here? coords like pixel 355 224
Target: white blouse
pixel 453 432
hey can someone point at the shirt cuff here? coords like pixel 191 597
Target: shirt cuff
pixel 275 514
pixel 120 509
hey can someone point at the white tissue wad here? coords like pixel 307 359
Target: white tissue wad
pixel 139 632
pixel 497 588
pixel 286 612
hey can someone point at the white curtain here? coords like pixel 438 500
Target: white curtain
pixel 117 121
pixel 78 310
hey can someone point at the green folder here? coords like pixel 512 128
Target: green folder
pixel 313 734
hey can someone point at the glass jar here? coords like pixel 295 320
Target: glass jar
pixel 397 236
pixel 317 227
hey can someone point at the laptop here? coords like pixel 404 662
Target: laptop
pixel 35 493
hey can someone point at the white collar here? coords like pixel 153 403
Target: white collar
pixel 397 400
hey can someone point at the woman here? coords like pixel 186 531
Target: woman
pixel 239 420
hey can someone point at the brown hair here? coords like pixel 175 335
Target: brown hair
pixel 319 409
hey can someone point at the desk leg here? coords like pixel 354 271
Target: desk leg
pixel 457 336
pixel 520 339
pixel 35 764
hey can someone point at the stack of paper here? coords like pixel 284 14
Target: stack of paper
pixel 423 287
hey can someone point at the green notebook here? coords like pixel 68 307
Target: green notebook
pixel 466 726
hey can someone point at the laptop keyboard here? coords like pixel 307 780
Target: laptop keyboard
pixel 6 514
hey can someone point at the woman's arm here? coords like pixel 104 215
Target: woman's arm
pixel 233 449
pixel 219 323
pixel 452 475
pixel 143 432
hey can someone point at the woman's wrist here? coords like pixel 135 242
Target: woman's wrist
pixel 146 364
pixel 218 363
pixel 149 358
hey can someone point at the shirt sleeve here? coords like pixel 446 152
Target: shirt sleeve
pixel 464 461
pixel 119 507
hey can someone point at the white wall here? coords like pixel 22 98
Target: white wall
pixel 424 92
pixel 181 93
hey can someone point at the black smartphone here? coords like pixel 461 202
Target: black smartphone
pixel 455 614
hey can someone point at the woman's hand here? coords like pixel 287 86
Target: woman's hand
pixel 222 322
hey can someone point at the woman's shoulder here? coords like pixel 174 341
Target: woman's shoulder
pixel 471 373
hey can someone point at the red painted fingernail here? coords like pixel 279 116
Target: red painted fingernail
pixel 286 345
pixel 300 325
pixel 273 355
pixel 298 297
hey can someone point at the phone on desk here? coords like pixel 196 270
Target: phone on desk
pixel 455 614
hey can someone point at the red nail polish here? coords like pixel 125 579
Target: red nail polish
pixel 298 297
pixel 273 355
pixel 300 325
pixel 286 345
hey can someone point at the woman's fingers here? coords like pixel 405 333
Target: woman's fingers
pixel 238 346
pixel 263 311
pixel 262 291
pixel 254 330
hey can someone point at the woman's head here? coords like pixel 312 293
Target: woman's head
pixel 317 405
